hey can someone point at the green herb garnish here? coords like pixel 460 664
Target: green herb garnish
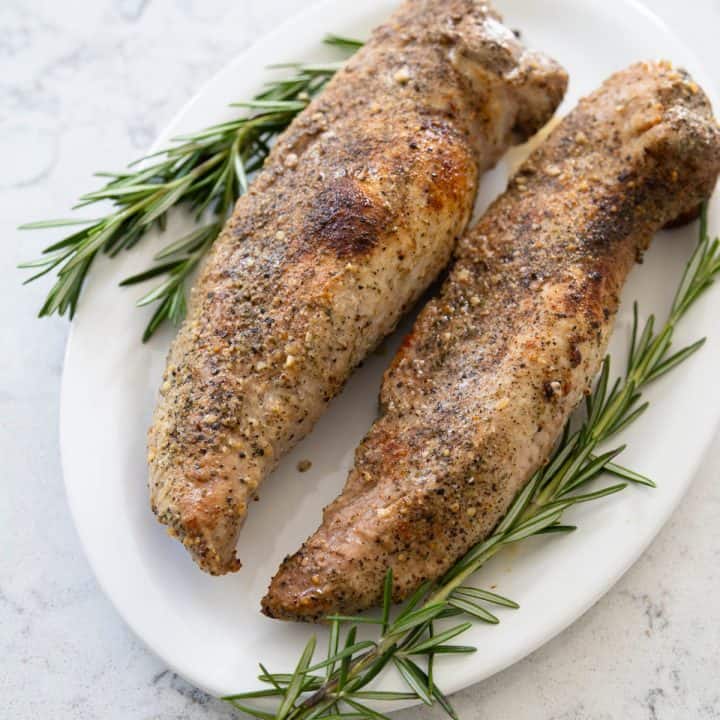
pixel 205 172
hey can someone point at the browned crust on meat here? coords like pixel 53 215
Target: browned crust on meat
pixel 356 211
pixel 345 219
pixel 479 392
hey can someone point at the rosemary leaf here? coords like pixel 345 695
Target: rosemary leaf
pixel 627 474
pixel 345 664
pixel 46 224
pixel 671 362
pixel 418 617
pixel 473 609
pixel 365 711
pixel 387 599
pixel 384 695
pixel 439 639
pixel 296 683
pixel 347 651
pixel 557 528
pixel 488 596
pixel 410 672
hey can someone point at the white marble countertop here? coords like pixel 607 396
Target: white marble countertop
pixel 87 85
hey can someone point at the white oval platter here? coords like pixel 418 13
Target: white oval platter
pixel 209 629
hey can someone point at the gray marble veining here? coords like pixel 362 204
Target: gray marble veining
pixel 87 85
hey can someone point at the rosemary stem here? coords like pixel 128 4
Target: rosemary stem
pixel 446 590
pixel 387 640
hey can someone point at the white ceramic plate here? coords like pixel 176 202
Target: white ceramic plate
pixel 208 629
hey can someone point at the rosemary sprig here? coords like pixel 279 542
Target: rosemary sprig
pixel 411 641
pixel 205 171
